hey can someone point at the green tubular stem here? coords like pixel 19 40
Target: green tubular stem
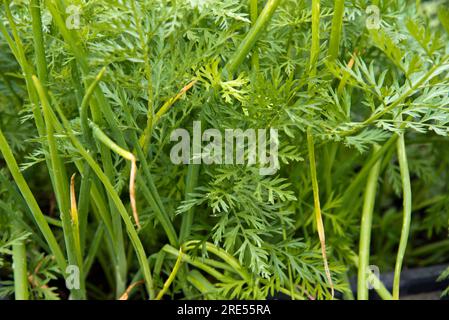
pixel 32 203
pixel 20 269
pixel 365 229
pixel 61 190
pixel 99 134
pixel 337 22
pixel 187 219
pixel 254 13
pixel 380 288
pixel 97 196
pixel 117 227
pixel 85 105
pixel 148 187
pixel 201 283
pixel 315 46
pixel 229 259
pixel 251 38
pixel 195 262
pixel 375 282
pixel 317 206
pixel 18 50
pixel 171 276
pixel 83 205
pixel 351 192
pixel 137 244
pixel 211 271
pixel 36 22
pixel 407 215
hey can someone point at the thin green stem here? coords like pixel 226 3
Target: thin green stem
pixel 407 213
pixel 99 134
pixel 36 22
pixel 85 105
pixel 19 257
pixel 27 194
pixel 137 244
pixel 61 189
pixel 337 22
pixel 187 219
pixel 251 38
pixel 171 277
pixel 317 207
pixel 254 14
pixel 375 282
pixel 315 46
pixel 365 229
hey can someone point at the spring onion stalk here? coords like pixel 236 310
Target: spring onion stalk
pixel 202 265
pixel 100 135
pixel 137 244
pixel 315 46
pixel 75 220
pixel 148 187
pixel 171 277
pixel 36 22
pixel 27 194
pixel 19 257
pixel 187 219
pixel 18 50
pixel 61 190
pixel 254 14
pixel 251 38
pixel 365 229
pixel 317 207
pixel 375 282
pixel 337 22
pixel 407 213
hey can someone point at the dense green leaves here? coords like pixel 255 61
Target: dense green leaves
pixel 302 65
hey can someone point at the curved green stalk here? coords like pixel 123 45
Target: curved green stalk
pixel 251 38
pixel 137 244
pixel 407 203
pixel 315 46
pixel 365 229
pixel 27 194
pixel 85 104
pixel 187 219
pixel 171 276
pixel 317 206
pixel 254 14
pixel 36 22
pixel 19 257
pixel 375 282
pixel 61 190
pixel 148 188
pixel 337 22
pixel 98 133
